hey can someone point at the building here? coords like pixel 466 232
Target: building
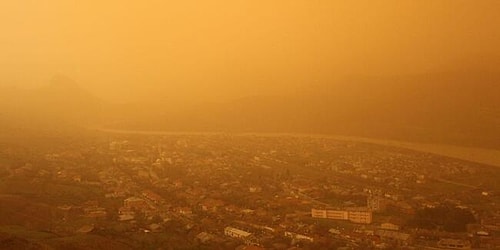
pixel 318 213
pixel 236 233
pixel 360 215
pixel 126 212
pixel 454 244
pixel 330 214
pixel 135 203
pixel 356 215
pixel 389 226
pixel 376 203
pixel 246 237
pixel 185 210
pixel 298 237
pixel 398 238
pixel 337 215
pixel 204 237
pixel 95 212
pixel 153 197
pixel 211 205
pixel 403 207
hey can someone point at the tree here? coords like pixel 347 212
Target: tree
pixel 448 218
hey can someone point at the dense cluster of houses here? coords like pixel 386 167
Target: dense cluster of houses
pixel 275 191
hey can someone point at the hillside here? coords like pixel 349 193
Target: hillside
pixel 449 108
pixel 57 107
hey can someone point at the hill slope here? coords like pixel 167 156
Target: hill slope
pixel 452 108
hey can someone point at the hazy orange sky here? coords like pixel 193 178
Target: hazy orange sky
pixel 209 50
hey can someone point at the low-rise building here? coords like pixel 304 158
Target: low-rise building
pixel 153 197
pixel 185 210
pixel 398 238
pixel 454 244
pixel 135 203
pixel 355 215
pixel 376 203
pixel 236 233
pixel 360 215
pixel 299 237
pixel 389 226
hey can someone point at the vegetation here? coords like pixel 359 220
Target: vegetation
pixel 447 218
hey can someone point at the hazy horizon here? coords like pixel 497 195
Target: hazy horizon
pixel 412 70
pixel 249 124
pixel 220 50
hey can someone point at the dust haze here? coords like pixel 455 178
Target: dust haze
pixel 365 68
pixel 249 124
pixel 220 50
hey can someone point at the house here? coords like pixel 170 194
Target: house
pixel 249 247
pixel 204 237
pixel 255 189
pixel 299 237
pixel 185 210
pixel 236 233
pixel 135 202
pixel 86 229
pixel 153 197
pixel 454 244
pixel 95 212
pixel 211 205
pixel 376 203
pixel 389 226
pixel 401 239
pixel 126 213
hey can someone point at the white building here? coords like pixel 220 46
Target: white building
pixel 236 233
pixel 454 244
pixel 299 237
pixel 355 215
pixel 360 215
pixel 389 226
pixel 376 203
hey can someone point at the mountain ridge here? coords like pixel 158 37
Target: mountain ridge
pixel 452 107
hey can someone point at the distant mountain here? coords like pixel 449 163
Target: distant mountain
pixel 460 108
pixel 57 106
